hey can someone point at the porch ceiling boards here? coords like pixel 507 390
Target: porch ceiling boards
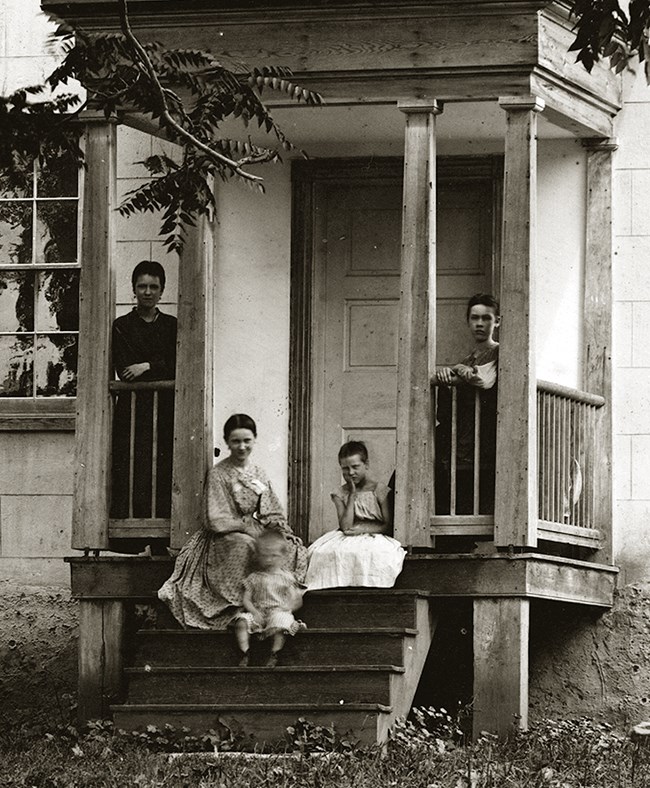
pixel 527 575
pixel 388 51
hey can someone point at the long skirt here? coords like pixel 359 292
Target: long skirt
pixel 337 560
pixel 205 590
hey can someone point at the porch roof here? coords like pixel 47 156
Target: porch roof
pixel 355 52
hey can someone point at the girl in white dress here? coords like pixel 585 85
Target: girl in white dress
pixel 360 552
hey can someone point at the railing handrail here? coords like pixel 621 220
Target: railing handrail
pixel 572 394
pixel 142 385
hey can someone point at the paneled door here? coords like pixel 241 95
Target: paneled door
pixel 355 291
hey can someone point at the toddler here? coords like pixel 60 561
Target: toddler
pixel 271 594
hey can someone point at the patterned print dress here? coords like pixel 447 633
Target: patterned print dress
pixel 206 587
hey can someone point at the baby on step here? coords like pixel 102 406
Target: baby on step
pixel 271 595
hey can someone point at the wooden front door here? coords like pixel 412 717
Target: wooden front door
pixel 352 239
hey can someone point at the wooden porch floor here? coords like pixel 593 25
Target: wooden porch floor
pixel 523 575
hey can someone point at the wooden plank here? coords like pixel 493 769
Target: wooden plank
pixel 96 303
pixel 57 423
pixel 101 626
pixel 556 34
pixel 350 38
pixel 597 328
pixel 567 582
pixel 303 361
pixel 543 577
pixel 498 575
pixel 193 429
pixel 515 515
pixel 136 527
pixel 501 631
pixel 570 109
pixel 415 656
pixel 417 338
pixel 568 534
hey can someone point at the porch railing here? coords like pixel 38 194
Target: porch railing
pixel 567 428
pixel 142 444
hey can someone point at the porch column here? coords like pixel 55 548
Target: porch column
pixel 501 629
pixel 515 513
pixel 94 370
pixel 417 337
pixel 193 432
pixel 597 335
pixel 101 631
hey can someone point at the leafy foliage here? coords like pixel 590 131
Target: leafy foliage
pixel 606 29
pixel 34 126
pixel 423 754
pixel 188 93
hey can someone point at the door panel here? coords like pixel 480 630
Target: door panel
pixel 356 313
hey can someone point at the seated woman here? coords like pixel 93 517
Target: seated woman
pixel 144 349
pixel 360 552
pixel 206 588
pixel 476 372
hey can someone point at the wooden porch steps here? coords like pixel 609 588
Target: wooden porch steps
pixel 356 667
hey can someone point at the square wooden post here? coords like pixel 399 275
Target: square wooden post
pixel 193 431
pixel 597 336
pixel 501 629
pixel 515 512
pixel 94 370
pixel 101 627
pixel 417 338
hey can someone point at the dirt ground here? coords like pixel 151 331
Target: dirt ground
pixel 582 663
pixel 588 663
pixel 38 654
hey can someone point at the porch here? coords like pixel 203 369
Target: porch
pixel 550 533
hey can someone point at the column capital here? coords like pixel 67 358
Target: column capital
pixel 412 106
pixel 530 103
pixel 600 143
pixel 95 116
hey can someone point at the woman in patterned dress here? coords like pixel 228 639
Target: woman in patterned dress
pixel 206 588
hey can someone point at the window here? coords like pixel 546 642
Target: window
pixel 39 284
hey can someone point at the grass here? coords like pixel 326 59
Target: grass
pixel 424 752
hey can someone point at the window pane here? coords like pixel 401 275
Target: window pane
pixel 56 232
pixel 16 366
pixel 20 184
pixel 56 365
pixel 57 307
pixel 57 177
pixel 15 233
pixel 16 300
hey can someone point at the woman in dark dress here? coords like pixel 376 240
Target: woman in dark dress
pixel 144 349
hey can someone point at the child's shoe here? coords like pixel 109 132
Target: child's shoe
pixel 243 662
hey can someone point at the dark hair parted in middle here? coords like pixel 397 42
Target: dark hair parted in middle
pixel 485 299
pixel 150 268
pixel 239 421
pixel 351 448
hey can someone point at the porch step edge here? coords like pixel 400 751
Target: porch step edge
pixel 406 631
pixel 262 669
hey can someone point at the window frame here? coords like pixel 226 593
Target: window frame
pixel 57 413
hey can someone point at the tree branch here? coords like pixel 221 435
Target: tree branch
pixel 165 113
